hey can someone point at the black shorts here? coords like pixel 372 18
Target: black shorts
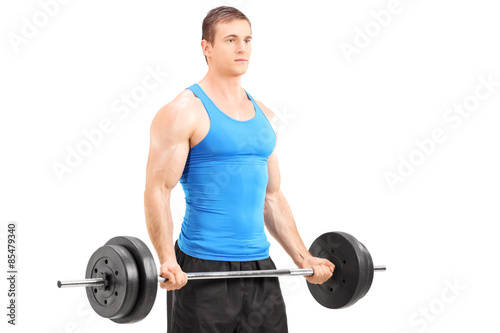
pixel 226 305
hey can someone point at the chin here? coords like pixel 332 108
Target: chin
pixel 239 71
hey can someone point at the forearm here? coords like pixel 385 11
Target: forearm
pixel 281 225
pixel 159 222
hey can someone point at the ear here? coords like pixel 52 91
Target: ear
pixel 206 48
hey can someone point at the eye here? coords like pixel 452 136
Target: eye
pixel 230 40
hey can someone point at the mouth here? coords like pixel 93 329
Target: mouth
pixel 241 60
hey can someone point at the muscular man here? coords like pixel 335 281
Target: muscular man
pixel 220 144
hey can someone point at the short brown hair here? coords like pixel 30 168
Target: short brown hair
pixel 221 14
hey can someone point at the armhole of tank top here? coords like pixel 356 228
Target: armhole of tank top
pixel 209 120
pixel 264 115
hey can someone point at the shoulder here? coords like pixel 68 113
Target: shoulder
pixel 268 113
pixel 182 105
pixel 178 114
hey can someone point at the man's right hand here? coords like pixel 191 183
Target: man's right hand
pixel 173 272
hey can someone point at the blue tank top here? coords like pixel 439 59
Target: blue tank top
pixel 224 181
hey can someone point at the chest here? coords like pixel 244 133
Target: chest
pixel 241 112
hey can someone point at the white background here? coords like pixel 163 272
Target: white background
pixel 345 123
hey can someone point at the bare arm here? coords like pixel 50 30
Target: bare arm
pixel 278 215
pixel 170 132
pixel 281 224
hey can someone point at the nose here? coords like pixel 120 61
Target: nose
pixel 242 46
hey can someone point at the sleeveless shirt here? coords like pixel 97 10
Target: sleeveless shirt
pixel 224 182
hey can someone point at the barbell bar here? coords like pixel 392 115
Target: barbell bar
pixel 101 282
pixel 122 279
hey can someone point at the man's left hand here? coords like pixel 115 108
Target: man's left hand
pixel 323 269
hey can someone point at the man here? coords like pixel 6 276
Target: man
pixel 219 143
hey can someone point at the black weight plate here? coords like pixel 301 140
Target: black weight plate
pixel 148 277
pixel 369 270
pixel 117 266
pixel 350 277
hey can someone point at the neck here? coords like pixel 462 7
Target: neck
pixel 227 88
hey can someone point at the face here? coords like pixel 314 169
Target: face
pixel 230 53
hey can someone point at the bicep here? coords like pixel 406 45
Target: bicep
pixel 273 171
pixel 169 147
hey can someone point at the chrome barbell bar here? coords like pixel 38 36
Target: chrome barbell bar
pixel 101 282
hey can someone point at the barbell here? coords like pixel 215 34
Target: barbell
pixel 121 278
